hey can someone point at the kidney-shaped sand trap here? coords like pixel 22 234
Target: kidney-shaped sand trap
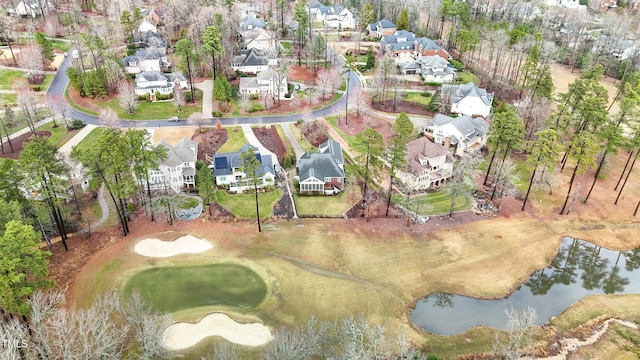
pixel 187 244
pixel 182 335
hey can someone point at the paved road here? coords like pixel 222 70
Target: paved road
pixel 60 81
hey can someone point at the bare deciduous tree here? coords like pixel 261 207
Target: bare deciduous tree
pixel 127 97
pixel 329 81
pixel 358 99
pixel 197 119
pixel 509 346
pixel 178 97
pixel 28 102
pixel 245 99
pixel 31 58
pixel 108 117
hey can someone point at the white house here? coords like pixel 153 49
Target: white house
pixel 569 4
pixel 427 165
pixel 150 82
pixel 432 68
pixel 336 17
pixel 264 82
pixel 148 25
pixel 260 39
pixel 467 99
pixel 154 59
pixel 178 170
pixel 461 134
pixel 30 8
pixel 253 61
pixel 381 28
pixel 228 169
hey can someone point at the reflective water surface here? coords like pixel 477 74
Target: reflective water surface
pixel 579 269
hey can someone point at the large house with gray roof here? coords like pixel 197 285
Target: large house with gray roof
pixel 467 99
pixel 151 82
pixel 178 170
pixel 152 59
pixel 264 82
pixel 322 173
pixel 428 166
pixel 428 47
pixel 400 44
pixel 253 61
pixel 381 28
pixel 228 169
pixel 463 134
pixel 432 69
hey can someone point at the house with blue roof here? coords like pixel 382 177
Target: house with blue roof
pixel 228 169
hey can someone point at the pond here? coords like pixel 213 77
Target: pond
pixel 578 270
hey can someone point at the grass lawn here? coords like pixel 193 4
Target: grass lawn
pixel 243 206
pixel 465 77
pixel 304 143
pixel 286 45
pixel 169 289
pixel 437 203
pixel 159 110
pixel 59 135
pixel 90 139
pixel 417 98
pixel 335 205
pixel 285 141
pixel 235 140
pixel 6 99
pixel 185 202
pixel 8 76
pixel 62 45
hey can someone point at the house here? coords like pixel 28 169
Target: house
pixel 178 170
pixel 154 59
pixel 150 82
pixel 253 61
pixel 148 24
pixel 336 17
pixel 427 165
pixel 264 82
pixel 250 22
pixel 246 9
pixel 569 4
pixel 381 28
pixel 432 68
pixel 426 47
pixel 322 172
pixel 149 39
pixel 400 44
pixel 467 99
pixel 616 47
pixel 228 169
pixel 30 8
pixel 462 134
pixel 260 39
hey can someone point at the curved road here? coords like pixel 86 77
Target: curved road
pixel 60 82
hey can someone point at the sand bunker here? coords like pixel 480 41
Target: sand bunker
pixel 187 244
pixel 183 335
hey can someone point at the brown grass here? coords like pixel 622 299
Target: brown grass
pixel 173 134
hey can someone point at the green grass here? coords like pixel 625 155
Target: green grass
pixel 170 289
pixel 59 135
pixel 243 206
pixel 8 76
pixel 335 205
pixel 286 45
pixel 159 110
pixel 304 143
pixel 465 77
pixel 96 210
pixel 6 99
pixel 185 202
pixel 90 139
pixel 434 203
pixel 417 98
pixel 62 45
pixel 235 140
pixel 284 139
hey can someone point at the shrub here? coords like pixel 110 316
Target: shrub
pixel 76 124
pixel 432 356
pixel 457 64
pixel 433 83
pixel 286 161
pixel 425 94
pixel 36 88
pixel 255 107
pixel 216 114
pixel 287 95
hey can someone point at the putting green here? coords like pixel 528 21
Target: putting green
pixel 169 289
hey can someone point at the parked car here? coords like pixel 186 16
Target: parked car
pixel 75 54
pixel 174 118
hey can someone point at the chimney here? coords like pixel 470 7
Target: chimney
pixel 439 42
pixel 447 142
